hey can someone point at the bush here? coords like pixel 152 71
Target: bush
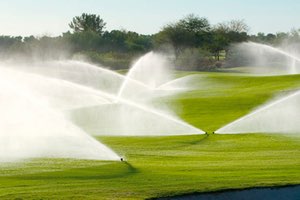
pixel 194 59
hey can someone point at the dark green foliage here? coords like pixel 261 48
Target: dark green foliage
pixel 189 32
pixel 7 42
pixel 194 59
pixel 194 32
pixel 84 41
pixel 88 22
pixel 289 38
pixel 126 41
pixel 197 44
pixel 225 34
pixel 116 48
pixel 114 60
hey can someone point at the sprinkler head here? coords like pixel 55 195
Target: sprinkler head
pixel 122 159
pixel 206 133
pixel 213 132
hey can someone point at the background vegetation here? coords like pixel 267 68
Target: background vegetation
pixel 196 44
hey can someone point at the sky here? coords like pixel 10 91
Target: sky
pixel 51 17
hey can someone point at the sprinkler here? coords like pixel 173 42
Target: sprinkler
pixel 122 159
pixel 213 132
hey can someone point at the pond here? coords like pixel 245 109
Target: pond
pixel 266 193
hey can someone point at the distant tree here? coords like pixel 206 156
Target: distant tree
pixel 84 41
pixel 194 59
pixel 115 40
pixel 260 37
pixel 189 32
pixel 87 22
pixel 226 33
pixel 194 24
pixel 126 41
pixel 138 43
pixel 238 26
pixel 30 39
pixel 294 35
pixel 270 38
pixel 219 43
pixel 280 36
pixel 234 30
pixel 9 42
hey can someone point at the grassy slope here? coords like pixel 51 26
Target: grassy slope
pixel 162 166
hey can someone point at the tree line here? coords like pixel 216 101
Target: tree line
pixel 196 44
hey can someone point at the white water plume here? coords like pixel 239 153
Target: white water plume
pixel 182 83
pixel 265 59
pixel 278 116
pixel 128 118
pixel 59 94
pixel 47 105
pixel 152 70
pixel 29 128
pixel 132 112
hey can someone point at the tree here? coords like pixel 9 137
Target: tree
pixel 194 59
pixel 9 42
pixel 115 40
pixel 270 38
pixel 220 42
pixel 191 31
pixel 226 33
pixel 126 41
pixel 194 24
pixel 87 22
pixel 238 26
pixel 84 41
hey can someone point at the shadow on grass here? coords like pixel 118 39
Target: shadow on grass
pixel 199 140
pixel 107 171
pixel 130 167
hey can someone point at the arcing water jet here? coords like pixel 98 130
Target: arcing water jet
pixel 42 102
pixel 132 112
pixel 270 48
pixel 30 128
pixel 151 70
pixel 279 116
pixel 267 59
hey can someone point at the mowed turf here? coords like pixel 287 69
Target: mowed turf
pixel 164 166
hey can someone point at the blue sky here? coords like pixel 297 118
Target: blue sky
pixel 51 17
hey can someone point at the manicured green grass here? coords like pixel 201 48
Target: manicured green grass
pixel 224 97
pixel 162 166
